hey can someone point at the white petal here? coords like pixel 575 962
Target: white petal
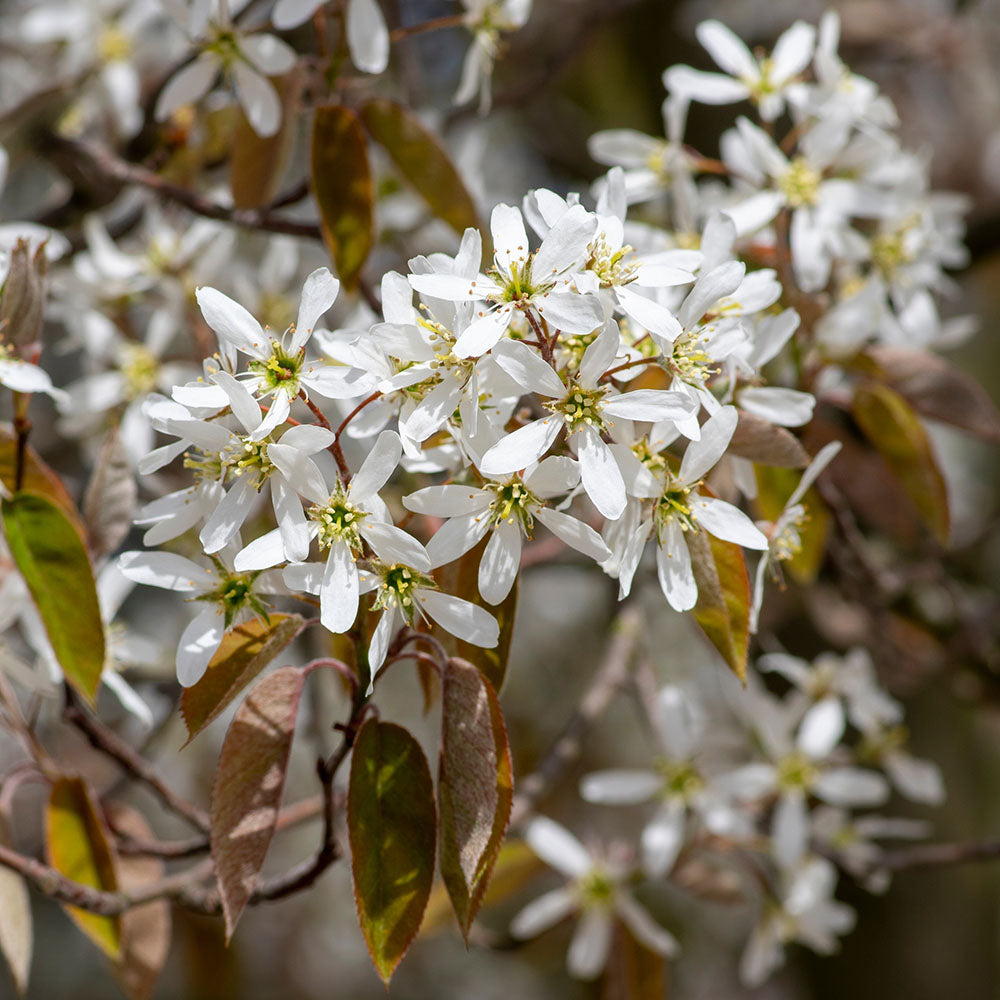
pixel 228 516
pixel 299 470
pixel 450 287
pixel 448 501
pixel 599 473
pixel 673 569
pixel 526 367
pixel 790 829
pixel 510 241
pixel 307 577
pixel 245 408
pixel 461 618
pixel 393 545
pixel 338 593
pixel 706 88
pixel 600 354
pixel 571 312
pixel 557 847
pixel 709 288
pixel 727 49
pixel 565 244
pixel 261 553
pixel 919 780
pixel 377 467
pixel 381 637
pixel 542 913
pixel 480 335
pixel 367 36
pixel 553 476
pixel 307 438
pixel 588 951
pixel 187 85
pixel 296 533
pixel 680 723
pixel 653 405
pixel 662 838
pixel 455 537
pixel 648 314
pixel 292 13
pixel 728 523
pixel 258 99
pixel 522 447
pixel 268 53
pixel 646 930
pixel 702 455
pixel 778 405
pixel 620 787
pixel 165 569
pixel 499 565
pixel 277 414
pixel 232 322
pixel 851 786
pixel 431 413
pixel 318 294
pixel 792 52
pixel 575 533
pixel 821 728
pixel 198 644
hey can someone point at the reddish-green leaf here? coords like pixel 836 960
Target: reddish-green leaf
pixel 392 827
pixel 475 786
pixel 634 972
pixel 890 424
pixel 145 929
pixel 38 477
pixel 461 578
pixel 256 162
pixel 109 503
pixel 248 785
pixel 15 920
pixel 342 184
pixel 935 388
pixel 763 442
pixel 774 487
pixel 243 653
pixel 79 846
pixel 422 161
pixel 723 608
pixel 50 555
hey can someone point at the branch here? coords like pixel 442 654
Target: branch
pixel 610 676
pixel 939 855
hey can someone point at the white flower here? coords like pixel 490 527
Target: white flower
pixel 367 35
pixel 22 376
pixel 597 891
pixel 486 19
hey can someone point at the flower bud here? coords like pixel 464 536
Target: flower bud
pixel 22 298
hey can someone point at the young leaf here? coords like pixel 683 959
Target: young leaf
pixel 243 653
pixel 248 786
pixel 38 477
pixel 109 503
pixel 15 921
pixel 392 827
pixel 145 929
pixel 723 608
pixel 935 388
pixel 256 162
pixel 342 184
pixel 422 161
pixel 475 786
pixel 78 845
pixel 461 578
pixel 762 442
pixel 50 555
pixel 890 424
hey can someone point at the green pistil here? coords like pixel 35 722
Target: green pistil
pixel 280 371
pixel 581 408
pixel 234 594
pixel 675 505
pixel 611 267
pixel 873 748
pixel 800 183
pixel 763 87
pixel 248 456
pixel 139 369
pixel 204 466
pixel 889 252
pixel 397 587
pixel 519 286
pixel 689 359
pixel 226 46
pixel 796 772
pixel 596 889
pixel 443 344
pixel 680 778
pixel 652 460
pixel 513 503
pixel 338 520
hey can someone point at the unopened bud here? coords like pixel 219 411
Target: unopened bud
pixel 22 298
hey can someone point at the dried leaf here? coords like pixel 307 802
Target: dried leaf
pixel 109 503
pixel 50 555
pixel 78 845
pixel 763 442
pixel 935 388
pixel 422 161
pixel 342 184
pixel 475 786
pixel 392 827
pixel 461 578
pixel 890 424
pixel 248 786
pixel 256 162
pixel 145 929
pixel 16 937
pixel 243 653
pixel 723 608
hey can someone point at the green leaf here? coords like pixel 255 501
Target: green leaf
pixel 723 608
pixel 890 424
pixel 342 184
pixel 15 920
pixel 248 785
pixel 50 555
pixel 461 578
pixel 243 653
pixel 934 388
pixel 392 827
pixel 79 846
pixel 109 503
pixel 38 477
pixel 422 161
pixel 475 786
pixel 146 928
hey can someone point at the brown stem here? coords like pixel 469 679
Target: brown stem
pixel 938 855
pixel 434 24
pixel 543 342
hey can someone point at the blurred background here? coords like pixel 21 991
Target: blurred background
pixel 577 67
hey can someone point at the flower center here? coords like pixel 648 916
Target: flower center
pixel 800 183
pixel 787 543
pixel 113 44
pixel 338 520
pixel 675 505
pixel 596 889
pixel 397 589
pixel 139 369
pixel 889 252
pixel 680 778
pixel 234 594
pixel 204 466
pixel 796 772
pixel 513 503
pixel 611 266
pixel 652 460
pixel 581 408
pixel 689 359
pixel 280 371
pixel 248 456
pixel 443 343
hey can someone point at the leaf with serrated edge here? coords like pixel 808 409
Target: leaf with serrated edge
pixel 760 441
pixel 145 929
pixel 935 388
pixel 890 424
pixel 109 503
pixel 50 555
pixel 243 653
pixel 248 785
pixel 342 185
pixel 16 935
pixel 78 846
pixel 723 608
pixel 422 161
pixel 475 786
pixel 461 578
pixel 392 824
